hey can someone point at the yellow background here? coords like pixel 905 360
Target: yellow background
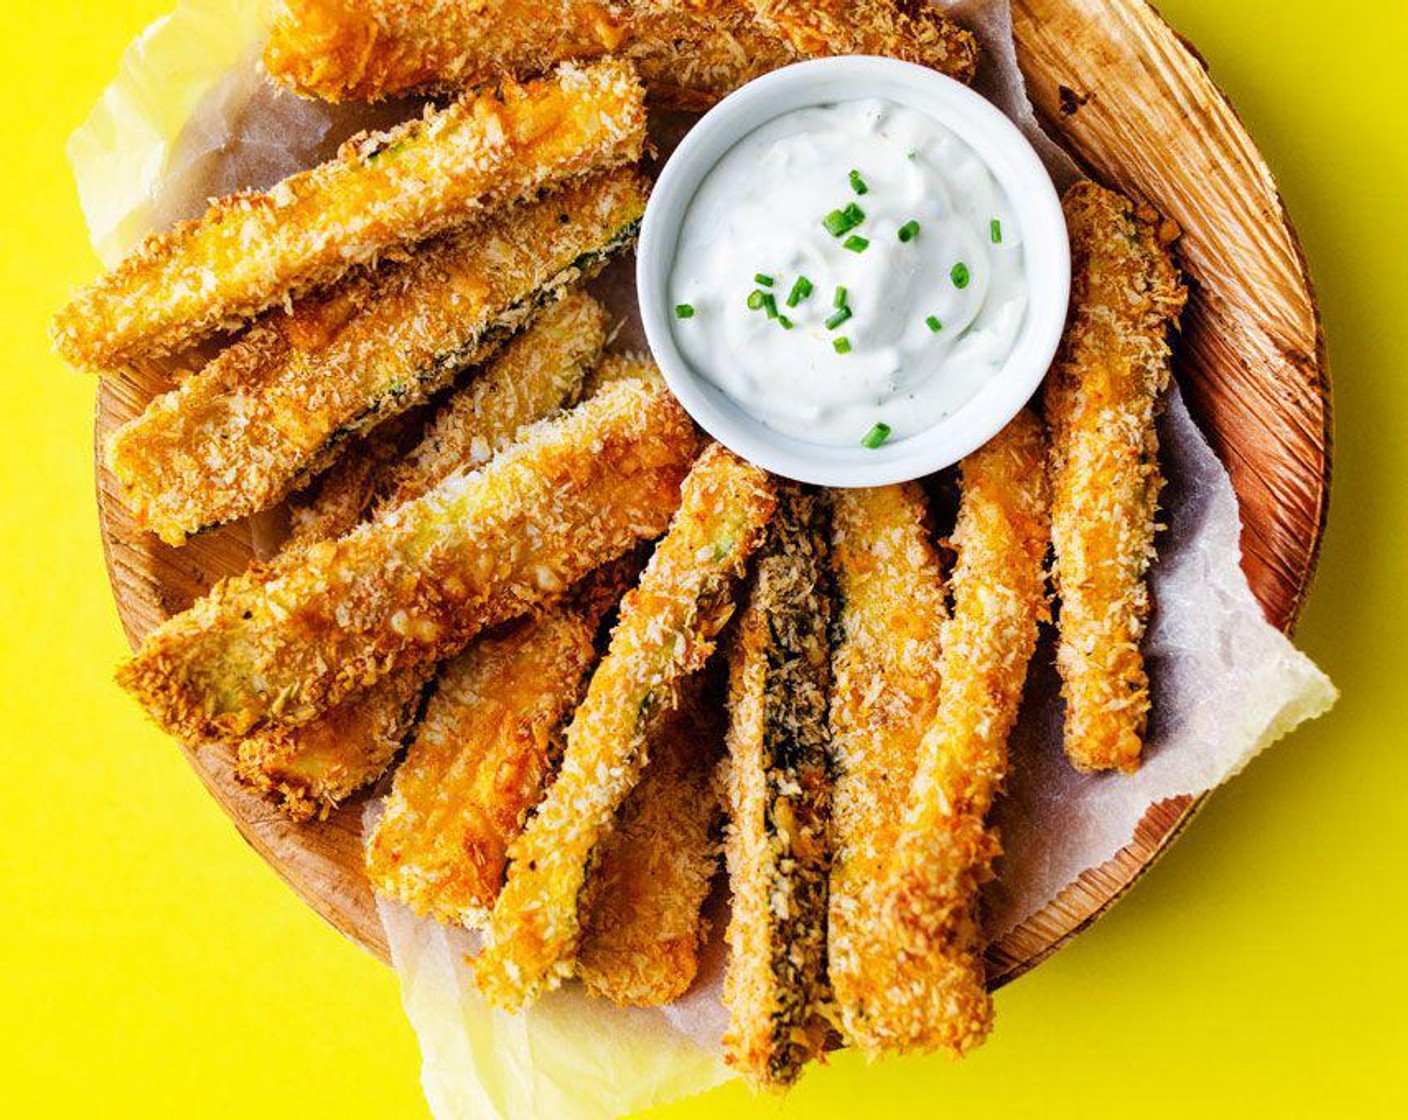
pixel 151 966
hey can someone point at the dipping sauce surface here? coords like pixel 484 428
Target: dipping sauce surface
pixel 849 274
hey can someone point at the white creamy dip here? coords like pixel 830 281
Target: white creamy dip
pixel 936 295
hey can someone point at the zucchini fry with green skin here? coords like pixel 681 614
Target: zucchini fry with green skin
pixel 644 926
pixel 313 768
pixel 884 697
pixel 385 192
pixel 666 632
pixel 346 490
pixel 538 371
pixel 364 50
pixel 779 796
pixel 284 643
pixel 928 992
pixel 1101 402
pixel 279 405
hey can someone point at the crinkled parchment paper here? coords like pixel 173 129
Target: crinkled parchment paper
pixel 189 116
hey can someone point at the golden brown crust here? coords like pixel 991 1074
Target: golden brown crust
pixel 479 762
pixel 283 644
pixel 278 405
pixel 666 632
pixel 929 991
pixel 1101 401
pixel 913 30
pixel 254 251
pixel 536 372
pixel 369 49
pixel 779 799
pixel 885 696
pixel 310 770
pixel 643 925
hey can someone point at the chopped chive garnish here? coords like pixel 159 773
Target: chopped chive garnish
pixel 842 221
pixel 684 311
pixel 959 275
pixel 909 231
pixel 784 322
pixel 855 243
pixel 876 436
pixel 770 305
pixel 764 279
pixel 755 300
pixel 841 315
pixel 841 298
pixel 932 322
pixel 801 289
pixel 842 345
pixel 858 184
pixel 995 226
pixel 911 154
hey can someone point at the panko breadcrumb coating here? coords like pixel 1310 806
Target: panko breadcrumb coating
pixel 478 765
pixel 928 993
pixel 537 372
pixel 643 925
pixel 1101 401
pixel 310 770
pixel 779 798
pixel 912 30
pixel 279 404
pixel 666 632
pixel 284 643
pixel 884 697
pixel 315 766
pixel 365 50
pixel 254 251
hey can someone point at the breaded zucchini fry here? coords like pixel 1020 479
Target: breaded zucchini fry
pixel 254 251
pixel 478 765
pixel 779 797
pixel 317 765
pixel 345 492
pixel 666 632
pixel 884 697
pixel 928 992
pixel 907 29
pixel 643 924
pixel 312 769
pixel 365 50
pixel 285 643
pixel 621 367
pixel 537 372
pixel 278 405
pixel 1101 401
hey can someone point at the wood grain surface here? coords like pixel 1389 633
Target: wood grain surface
pixel 1136 105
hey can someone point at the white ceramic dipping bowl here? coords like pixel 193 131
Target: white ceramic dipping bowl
pixel 1014 164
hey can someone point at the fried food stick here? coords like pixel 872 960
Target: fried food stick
pixel 285 643
pixel 884 697
pixel 1101 401
pixel 536 373
pixel 314 767
pixel 279 405
pixel 779 799
pixel 905 29
pixel 644 925
pixel 254 251
pixel 477 766
pixel 928 992
pixel 666 632
pixel 364 50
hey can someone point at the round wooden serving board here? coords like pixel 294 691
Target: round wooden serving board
pixel 1134 103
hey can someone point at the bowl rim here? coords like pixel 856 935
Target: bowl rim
pixel 1013 162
